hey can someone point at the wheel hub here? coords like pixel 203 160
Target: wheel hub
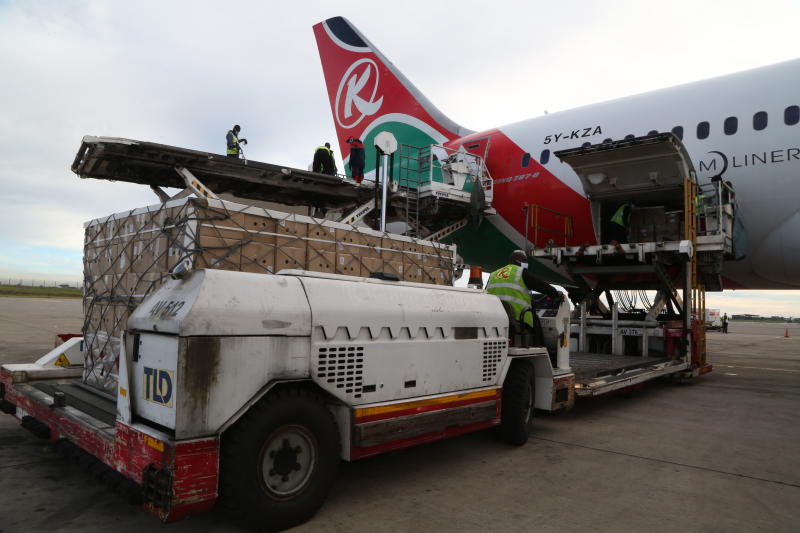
pixel 288 461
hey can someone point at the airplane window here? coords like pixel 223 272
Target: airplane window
pixel 791 115
pixel 545 157
pixel 629 136
pixel 605 141
pixel 678 131
pixel 760 120
pixel 526 158
pixel 586 145
pixel 702 130
pixel 731 125
pixel 652 132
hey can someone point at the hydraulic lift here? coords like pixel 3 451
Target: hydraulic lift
pixel 677 240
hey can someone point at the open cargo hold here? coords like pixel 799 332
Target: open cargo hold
pixel 129 255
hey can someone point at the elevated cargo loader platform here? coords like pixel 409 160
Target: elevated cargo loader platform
pixel 428 204
pixel 674 236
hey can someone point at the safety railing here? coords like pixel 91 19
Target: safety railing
pixel 715 205
pixel 539 219
pixel 421 166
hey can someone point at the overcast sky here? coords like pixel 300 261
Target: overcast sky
pixel 182 73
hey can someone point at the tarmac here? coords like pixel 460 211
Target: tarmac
pixel 719 454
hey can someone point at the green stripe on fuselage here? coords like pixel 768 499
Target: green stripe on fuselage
pixel 487 247
pixel 405 134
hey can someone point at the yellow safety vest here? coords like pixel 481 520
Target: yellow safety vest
pixel 235 149
pixel 619 216
pixel 506 283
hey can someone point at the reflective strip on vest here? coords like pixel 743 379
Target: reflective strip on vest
pixel 506 283
pixel 235 149
pixel 619 217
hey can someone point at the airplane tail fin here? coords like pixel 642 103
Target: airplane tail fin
pixel 369 95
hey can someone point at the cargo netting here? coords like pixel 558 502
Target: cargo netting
pixel 129 255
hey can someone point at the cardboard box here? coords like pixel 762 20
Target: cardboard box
pixel 372 247
pixel 222 254
pixel 289 257
pixel 393 267
pixel 348 265
pixel 442 276
pixel 349 242
pixel 258 257
pixel 321 261
pixel 150 255
pixel 391 250
pixel 91 234
pixel 220 231
pixel 145 284
pixel 644 222
pixel 433 256
pixel 412 246
pixel 321 238
pixel 412 272
pixel 370 265
pixel 290 233
pixel 260 228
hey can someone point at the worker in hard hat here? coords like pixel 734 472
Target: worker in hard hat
pixel 323 160
pixel 513 283
pixel 357 157
pixel 232 139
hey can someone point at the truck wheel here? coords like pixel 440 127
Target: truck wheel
pixel 516 420
pixel 279 461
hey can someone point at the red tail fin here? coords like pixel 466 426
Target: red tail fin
pixel 368 94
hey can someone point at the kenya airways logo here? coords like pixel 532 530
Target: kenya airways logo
pixel 358 88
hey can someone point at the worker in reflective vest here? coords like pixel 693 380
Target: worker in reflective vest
pixel 513 283
pixel 618 228
pixel 323 160
pixel 232 140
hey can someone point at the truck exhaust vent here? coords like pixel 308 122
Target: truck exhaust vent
pixel 492 354
pixel 342 366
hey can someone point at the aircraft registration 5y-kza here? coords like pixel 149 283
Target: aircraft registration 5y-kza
pixel 743 126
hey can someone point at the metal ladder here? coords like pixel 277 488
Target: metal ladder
pixel 414 163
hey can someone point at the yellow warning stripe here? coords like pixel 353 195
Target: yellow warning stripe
pixel 383 409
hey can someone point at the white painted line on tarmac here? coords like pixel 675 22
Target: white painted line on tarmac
pixel 729 374
pixel 763 368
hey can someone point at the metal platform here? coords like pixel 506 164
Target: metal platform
pixel 132 161
pixel 78 397
pixel 591 365
pixel 152 164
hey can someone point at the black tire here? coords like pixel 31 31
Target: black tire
pixel 279 461
pixel 516 421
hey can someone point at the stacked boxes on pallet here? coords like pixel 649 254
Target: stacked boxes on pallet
pixel 128 256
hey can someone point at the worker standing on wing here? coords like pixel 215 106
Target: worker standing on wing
pixel 513 283
pixel 232 140
pixel 357 157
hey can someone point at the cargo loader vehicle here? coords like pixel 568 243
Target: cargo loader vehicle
pixel 248 389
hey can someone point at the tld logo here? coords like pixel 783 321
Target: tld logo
pixel 358 87
pixel 158 386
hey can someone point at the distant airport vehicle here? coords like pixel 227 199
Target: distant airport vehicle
pixel 743 127
pixel 713 319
